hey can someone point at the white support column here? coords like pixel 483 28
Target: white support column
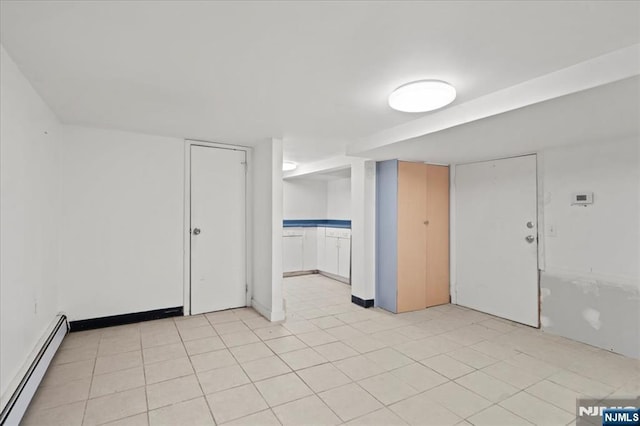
pixel 363 229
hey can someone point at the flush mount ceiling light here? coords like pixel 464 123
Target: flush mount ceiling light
pixel 422 96
pixel 287 166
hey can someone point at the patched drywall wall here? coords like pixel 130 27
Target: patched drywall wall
pixel 590 284
pixel 593 311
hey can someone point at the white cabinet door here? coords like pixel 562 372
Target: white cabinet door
pixel 310 249
pixel 292 257
pixel 331 255
pixel 344 257
pixel 321 243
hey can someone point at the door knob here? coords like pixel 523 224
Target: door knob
pixel 426 222
pixel 529 224
pixel 196 231
pixel 530 238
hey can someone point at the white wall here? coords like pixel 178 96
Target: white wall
pixel 29 212
pixel 122 222
pixel 591 281
pixel 267 229
pixel 339 199
pixel 363 229
pixel 304 199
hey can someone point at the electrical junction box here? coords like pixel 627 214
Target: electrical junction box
pixel 581 198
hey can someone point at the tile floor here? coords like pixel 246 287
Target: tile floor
pixel 330 362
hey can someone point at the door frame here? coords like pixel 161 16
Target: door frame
pixel 186 283
pixel 453 282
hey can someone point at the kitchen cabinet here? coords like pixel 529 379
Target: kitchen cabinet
pixel 338 252
pixel 292 250
pixel 412 232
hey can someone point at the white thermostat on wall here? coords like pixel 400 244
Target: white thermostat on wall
pixel 581 198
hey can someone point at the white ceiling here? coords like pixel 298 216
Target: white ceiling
pixel 608 112
pixel 316 74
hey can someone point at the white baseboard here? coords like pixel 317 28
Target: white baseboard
pixel 267 313
pixel 17 398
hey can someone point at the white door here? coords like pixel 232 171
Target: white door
pixel 496 238
pixel 218 261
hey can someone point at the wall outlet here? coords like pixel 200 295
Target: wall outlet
pixel 551 230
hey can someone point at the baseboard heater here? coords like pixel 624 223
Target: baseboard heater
pixel 17 404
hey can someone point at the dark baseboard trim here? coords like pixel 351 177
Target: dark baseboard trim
pixel 90 324
pixel 361 302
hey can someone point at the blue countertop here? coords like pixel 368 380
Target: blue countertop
pixel 314 223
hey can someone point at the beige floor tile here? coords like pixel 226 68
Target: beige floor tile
pixel 221 317
pixel 388 358
pixel 419 377
pixel 299 327
pixel 262 418
pixel 316 338
pixel 117 362
pixel 387 388
pixel 447 366
pixel 497 416
pixel 234 403
pixel 265 368
pixel 359 367
pixel 54 396
pixel 306 411
pixel 323 377
pixel 64 373
pixel 64 415
pixel 191 321
pixel 136 420
pixel 118 381
pixel 457 399
pixel 173 391
pixel 555 394
pixel 257 323
pixel 160 339
pixel 511 375
pixel 487 386
pixel 281 389
pixel 65 356
pixel 335 351
pixel 115 406
pixel 326 322
pixel 89 339
pixel 345 332
pixel 534 366
pixel 166 370
pixel 419 410
pixel 285 344
pixel 580 384
pixel 364 344
pixel 222 378
pixel 381 417
pixel 302 358
pixel 116 345
pixel 212 360
pixel 164 353
pixel 535 410
pixel 472 357
pixel 350 401
pixel 239 338
pixel 251 352
pixel 418 349
pixel 197 333
pixel 193 412
pixel 231 327
pixel 494 350
pixel 200 346
pixel 268 333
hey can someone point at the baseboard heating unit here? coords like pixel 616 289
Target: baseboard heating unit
pixel 17 403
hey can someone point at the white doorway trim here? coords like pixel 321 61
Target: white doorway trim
pixel 186 231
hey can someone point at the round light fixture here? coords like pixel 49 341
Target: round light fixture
pixel 287 166
pixel 422 96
